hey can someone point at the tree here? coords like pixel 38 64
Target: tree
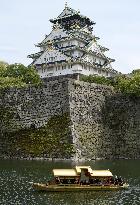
pixel 96 79
pixel 11 82
pixel 3 67
pixel 127 84
pixel 18 75
pixel 136 71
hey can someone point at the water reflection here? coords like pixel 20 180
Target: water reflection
pixel 16 190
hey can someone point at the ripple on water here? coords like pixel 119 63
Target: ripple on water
pixel 16 190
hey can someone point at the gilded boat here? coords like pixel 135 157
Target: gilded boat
pixel 81 178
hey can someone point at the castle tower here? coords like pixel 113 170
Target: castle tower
pixel 72 48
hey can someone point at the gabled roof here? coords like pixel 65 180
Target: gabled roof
pixel 67 12
pixel 55 34
pixel 93 46
pixel 51 56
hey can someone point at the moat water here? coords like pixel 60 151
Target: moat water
pixel 15 188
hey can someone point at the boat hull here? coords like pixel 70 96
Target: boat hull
pixel 70 188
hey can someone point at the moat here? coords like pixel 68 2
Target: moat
pixel 15 188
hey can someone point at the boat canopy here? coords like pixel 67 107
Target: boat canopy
pixel 101 173
pixel 77 172
pixel 79 168
pixel 65 172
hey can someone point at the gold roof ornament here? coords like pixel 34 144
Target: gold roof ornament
pixel 50 45
pixel 66 5
pixel 75 26
pixel 57 26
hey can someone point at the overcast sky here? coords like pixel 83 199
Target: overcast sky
pixel 24 23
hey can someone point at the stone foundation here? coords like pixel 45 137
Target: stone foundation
pixel 102 123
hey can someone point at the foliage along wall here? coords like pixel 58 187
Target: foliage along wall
pixel 52 140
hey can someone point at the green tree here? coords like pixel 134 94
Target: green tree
pixel 96 79
pixel 127 84
pixel 134 84
pixel 18 75
pixel 136 71
pixel 11 82
pixel 27 74
pixel 3 67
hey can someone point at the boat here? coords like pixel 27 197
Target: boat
pixel 81 178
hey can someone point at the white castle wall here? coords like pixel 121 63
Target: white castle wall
pixel 71 69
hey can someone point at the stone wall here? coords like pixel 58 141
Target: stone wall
pixel 33 106
pixel 100 123
pixel 105 124
pixel 27 109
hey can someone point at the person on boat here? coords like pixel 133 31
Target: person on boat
pixel 111 180
pixel 65 181
pixel 57 180
pixel 120 181
pixel 116 180
pixel 84 177
pixel 76 181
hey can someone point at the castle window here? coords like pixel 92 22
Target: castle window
pixel 51 58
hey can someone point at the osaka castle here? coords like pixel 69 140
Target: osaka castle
pixel 72 48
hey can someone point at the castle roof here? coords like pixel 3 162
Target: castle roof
pixel 69 12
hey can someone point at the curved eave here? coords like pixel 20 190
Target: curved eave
pixel 72 32
pixel 97 38
pixel 35 55
pixel 38 45
pixel 62 40
pixel 68 16
pixel 52 63
pixel 111 60
pixel 90 52
pixel 32 56
pixel 81 61
pixel 103 48
pixel 54 40
pixel 112 70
